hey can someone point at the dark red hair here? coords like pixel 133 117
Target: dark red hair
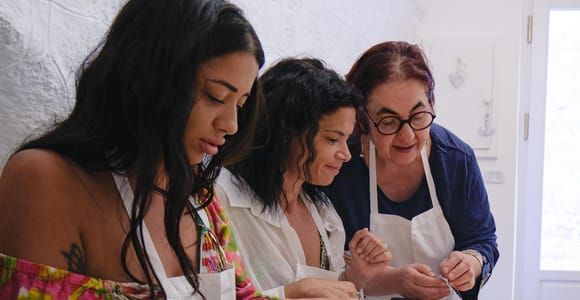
pixel 387 62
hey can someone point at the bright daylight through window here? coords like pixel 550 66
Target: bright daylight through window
pixel 561 182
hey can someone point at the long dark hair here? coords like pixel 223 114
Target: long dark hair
pixel 387 62
pixel 298 93
pixel 134 95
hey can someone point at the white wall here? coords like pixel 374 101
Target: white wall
pixel 500 20
pixel 336 31
pixel 41 45
pixel 42 42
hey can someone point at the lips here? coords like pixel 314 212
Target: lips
pixel 210 146
pixel 404 148
pixel 334 169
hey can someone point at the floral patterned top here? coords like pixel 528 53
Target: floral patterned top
pixel 21 279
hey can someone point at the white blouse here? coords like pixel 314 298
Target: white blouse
pixel 270 248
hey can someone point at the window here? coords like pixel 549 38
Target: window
pixel 560 235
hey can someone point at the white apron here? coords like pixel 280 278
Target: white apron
pixel 425 239
pixel 213 285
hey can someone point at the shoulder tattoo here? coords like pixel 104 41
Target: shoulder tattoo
pixel 75 259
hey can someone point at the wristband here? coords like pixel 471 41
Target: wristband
pixel 475 254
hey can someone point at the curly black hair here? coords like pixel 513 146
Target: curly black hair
pixel 298 92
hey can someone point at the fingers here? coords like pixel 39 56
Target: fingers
pixel 423 269
pixel 380 254
pixel 459 271
pixel 428 281
pixel 369 247
pixel 424 277
pixel 463 276
pixel 419 282
pixel 353 245
pixel 464 282
pixel 362 243
pixel 366 245
pixel 461 268
pixel 450 262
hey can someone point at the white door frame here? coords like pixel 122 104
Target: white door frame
pixel 531 156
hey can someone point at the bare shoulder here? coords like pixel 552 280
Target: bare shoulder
pixel 33 162
pixel 30 174
pixel 39 219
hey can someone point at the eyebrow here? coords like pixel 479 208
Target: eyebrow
pixel 335 131
pixel 385 110
pixel 228 85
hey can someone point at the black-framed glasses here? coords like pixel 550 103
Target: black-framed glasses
pixel 390 124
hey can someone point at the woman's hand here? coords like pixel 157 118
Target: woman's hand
pixel 320 289
pixel 369 256
pixel 417 281
pixel 461 270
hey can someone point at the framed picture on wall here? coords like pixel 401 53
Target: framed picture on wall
pixel 466 89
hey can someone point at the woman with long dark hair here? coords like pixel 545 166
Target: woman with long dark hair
pixel 288 232
pixel 117 198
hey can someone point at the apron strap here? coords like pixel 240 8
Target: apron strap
pixel 373 178
pixel 429 178
pixel 127 195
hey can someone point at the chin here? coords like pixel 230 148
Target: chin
pixel 323 181
pixel 195 158
pixel 404 160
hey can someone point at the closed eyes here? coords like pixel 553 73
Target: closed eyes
pixel 332 141
pixel 214 99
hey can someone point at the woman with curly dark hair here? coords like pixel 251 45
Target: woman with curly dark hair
pixel 288 232
pixel 118 198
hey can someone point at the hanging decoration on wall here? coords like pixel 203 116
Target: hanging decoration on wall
pixel 458 77
pixel 487 128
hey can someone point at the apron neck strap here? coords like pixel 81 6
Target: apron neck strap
pixel 126 193
pixel 373 178
pixel 429 178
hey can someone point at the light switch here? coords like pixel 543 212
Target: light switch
pixel 493 176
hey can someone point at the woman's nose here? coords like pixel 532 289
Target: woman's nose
pixel 344 154
pixel 228 120
pixel 406 132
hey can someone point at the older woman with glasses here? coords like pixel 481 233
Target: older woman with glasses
pixel 427 197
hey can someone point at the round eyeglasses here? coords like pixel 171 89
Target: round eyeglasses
pixel 390 124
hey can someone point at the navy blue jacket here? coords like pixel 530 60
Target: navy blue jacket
pixel 460 190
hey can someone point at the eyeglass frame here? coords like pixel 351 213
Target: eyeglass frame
pixel 402 121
